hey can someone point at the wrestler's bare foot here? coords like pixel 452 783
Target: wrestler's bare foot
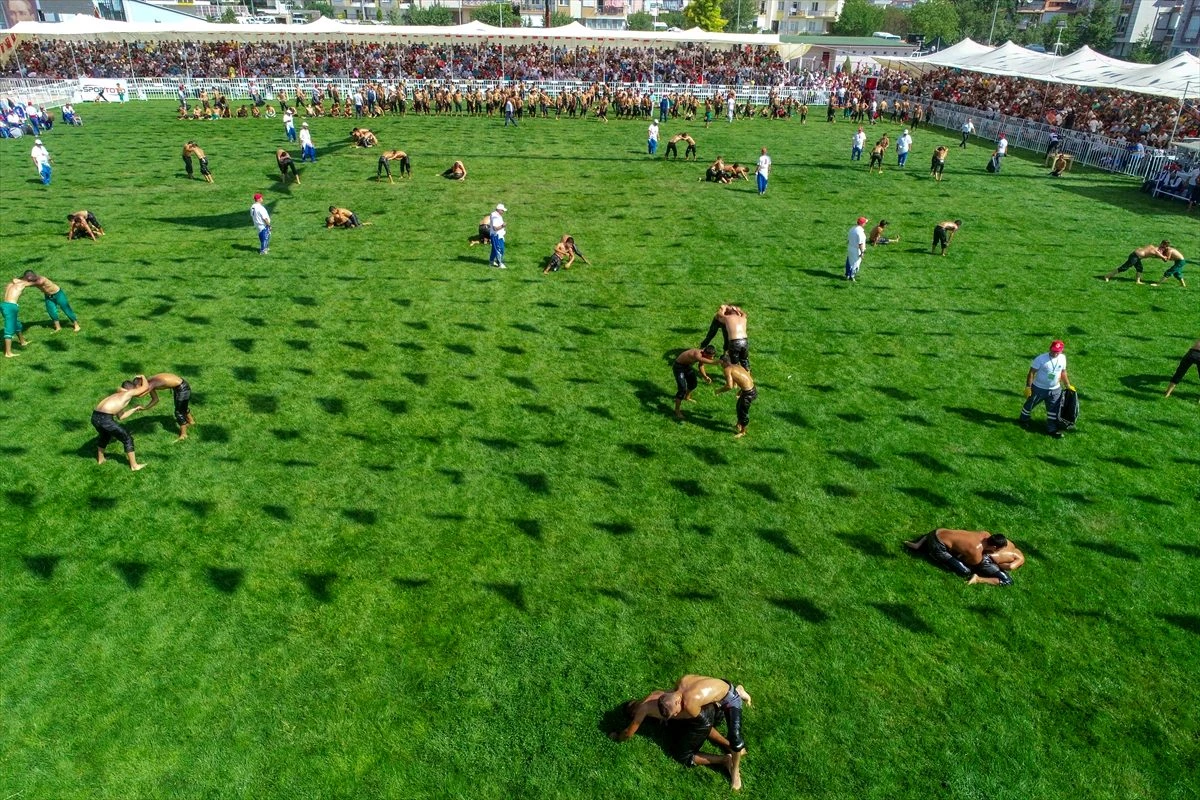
pixel 136 467
pixel 915 545
pixel 191 420
pixel 57 327
pixel 180 438
pixel 742 693
pixel 735 771
pixel 76 328
pixel 739 434
pixel 11 355
pixel 100 459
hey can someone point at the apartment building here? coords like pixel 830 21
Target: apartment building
pixel 1159 18
pixel 798 17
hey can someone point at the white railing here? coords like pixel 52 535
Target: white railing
pixel 167 88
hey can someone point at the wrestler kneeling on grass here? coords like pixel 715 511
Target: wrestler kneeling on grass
pixel 690 711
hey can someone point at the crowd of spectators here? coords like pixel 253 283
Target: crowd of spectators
pixel 1133 119
pixel 1128 118
pixel 687 63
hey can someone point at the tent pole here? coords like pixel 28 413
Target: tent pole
pixel 78 74
pixel 1178 112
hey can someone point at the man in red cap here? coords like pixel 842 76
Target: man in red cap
pixel 855 247
pixel 262 221
pixel 1044 383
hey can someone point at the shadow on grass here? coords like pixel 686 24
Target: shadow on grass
pixel 511 593
pixel 866 545
pixel 319 585
pixel 904 616
pixel 42 566
pixel 801 607
pixel 132 572
pixel 1190 550
pixel 1108 549
pixel 1186 622
pixel 224 579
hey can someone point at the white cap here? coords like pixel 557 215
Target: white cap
pixel 37 141
pixel 500 207
pixel 304 125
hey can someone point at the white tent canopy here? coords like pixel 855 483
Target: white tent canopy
pixel 1177 78
pixel 323 29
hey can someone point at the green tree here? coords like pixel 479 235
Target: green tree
pixel 228 16
pixel 896 21
pixel 741 15
pixel 433 15
pixel 935 18
pixel 673 19
pixel 379 13
pixel 1146 50
pixel 498 14
pixel 325 9
pixel 704 14
pixel 1100 26
pixel 858 18
pixel 640 21
pixel 558 19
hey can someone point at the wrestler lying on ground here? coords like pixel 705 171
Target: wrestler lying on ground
pixel 690 711
pixel 970 554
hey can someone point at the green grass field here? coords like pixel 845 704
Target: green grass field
pixel 435 522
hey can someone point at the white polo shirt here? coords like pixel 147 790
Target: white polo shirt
pixel 764 165
pixel 1048 368
pixel 40 154
pixel 496 223
pixel 653 132
pixel 1002 146
pixel 856 244
pixel 260 217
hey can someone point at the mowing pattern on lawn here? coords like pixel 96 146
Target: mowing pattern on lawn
pixel 435 521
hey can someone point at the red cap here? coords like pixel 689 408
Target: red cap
pixel 258 197
pixel 1057 346
pixel 863 220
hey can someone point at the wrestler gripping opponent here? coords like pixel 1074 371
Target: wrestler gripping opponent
pixel 689 711
pixel 484 235
pixel 385 166
pixel 181 393
pixel 970 554
pixel 564 248
pixel 342 218
pixel 685 373
pixel 731 322
pixel 284 159
pixel 736 377
pixel 106 418
pixel 80 223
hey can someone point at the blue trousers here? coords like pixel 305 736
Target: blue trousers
pixel 44 171
pixel 291 133
pixel 497 254
pixel 1052 398
pixel 308 153
pixel 856 154
pixel 264 239
pixel 652 145
pixel 762 183
pixel 901 158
